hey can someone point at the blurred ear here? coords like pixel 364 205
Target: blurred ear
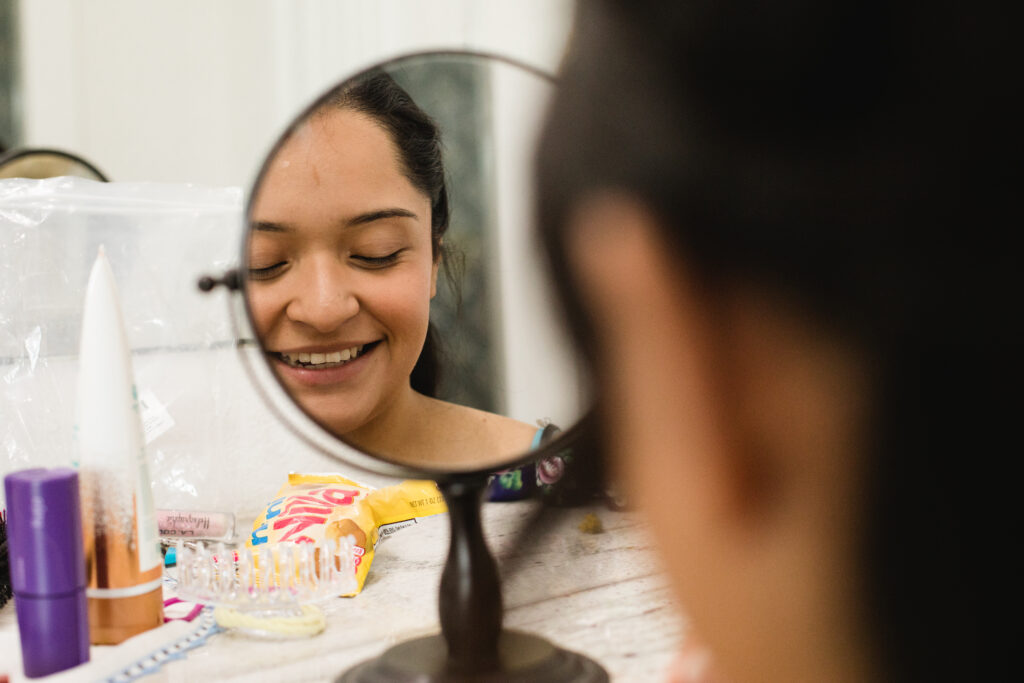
pixel 796 403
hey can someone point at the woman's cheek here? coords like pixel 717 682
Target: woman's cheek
pixel 265 303
pixel 405 296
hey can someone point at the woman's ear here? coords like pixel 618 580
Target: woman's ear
pixel 796 403
pixel 438 257
pixel 433 276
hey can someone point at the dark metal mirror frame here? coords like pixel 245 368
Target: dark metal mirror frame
pixel 21 152
pixel 308 429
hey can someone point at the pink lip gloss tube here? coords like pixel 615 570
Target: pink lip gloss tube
pixel 199 524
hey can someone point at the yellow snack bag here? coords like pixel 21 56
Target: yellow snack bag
pixel 313 508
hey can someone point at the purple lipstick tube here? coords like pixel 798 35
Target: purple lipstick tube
pixel 47 568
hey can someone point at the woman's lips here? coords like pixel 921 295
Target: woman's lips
pixel 329 373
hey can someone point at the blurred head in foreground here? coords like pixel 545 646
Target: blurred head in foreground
pixel 775 230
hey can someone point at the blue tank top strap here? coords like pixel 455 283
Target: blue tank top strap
pixel 536 439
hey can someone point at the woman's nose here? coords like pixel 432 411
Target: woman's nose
pixel 324 298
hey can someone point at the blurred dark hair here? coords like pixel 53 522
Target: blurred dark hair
pixel 418 139
pixel 845 155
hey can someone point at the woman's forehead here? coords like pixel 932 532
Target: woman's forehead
pixel 339 163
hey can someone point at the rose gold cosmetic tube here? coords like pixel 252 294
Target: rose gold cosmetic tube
pixel 119 532
pixel 123 598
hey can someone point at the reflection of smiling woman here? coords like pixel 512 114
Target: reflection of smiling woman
pixel 346 241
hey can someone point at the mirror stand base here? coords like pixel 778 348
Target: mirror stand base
pixel 522 657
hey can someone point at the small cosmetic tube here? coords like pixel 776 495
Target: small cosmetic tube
pixel 214 526
pixel 48 569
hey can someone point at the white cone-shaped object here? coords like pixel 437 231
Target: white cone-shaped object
pixel 122 548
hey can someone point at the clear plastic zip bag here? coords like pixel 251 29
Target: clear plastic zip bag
pixel 204 423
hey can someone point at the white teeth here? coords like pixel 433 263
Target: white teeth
pixel 332 357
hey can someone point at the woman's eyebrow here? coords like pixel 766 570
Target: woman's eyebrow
pixel 380 214
pixel 361 219
pixel 267 226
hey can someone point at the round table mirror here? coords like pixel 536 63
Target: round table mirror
pixel 389 273
pixel 395 314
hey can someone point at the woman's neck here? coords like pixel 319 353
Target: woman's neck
pixel 395 429
pixel 420 430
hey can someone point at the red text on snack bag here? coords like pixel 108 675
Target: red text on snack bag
pixel 294 524
pixel 304 511
pixel 357 554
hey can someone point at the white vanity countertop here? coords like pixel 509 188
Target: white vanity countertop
pixel 599 594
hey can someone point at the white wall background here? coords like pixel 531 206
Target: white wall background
pixel 539 364
pixel 197 90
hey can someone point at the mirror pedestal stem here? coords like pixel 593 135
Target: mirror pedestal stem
pixel 472 645
pixel 470 604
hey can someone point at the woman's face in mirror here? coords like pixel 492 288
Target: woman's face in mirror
pixel 342 269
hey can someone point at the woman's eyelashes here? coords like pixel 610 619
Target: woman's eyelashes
pixel 367 261
pixel 267 272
